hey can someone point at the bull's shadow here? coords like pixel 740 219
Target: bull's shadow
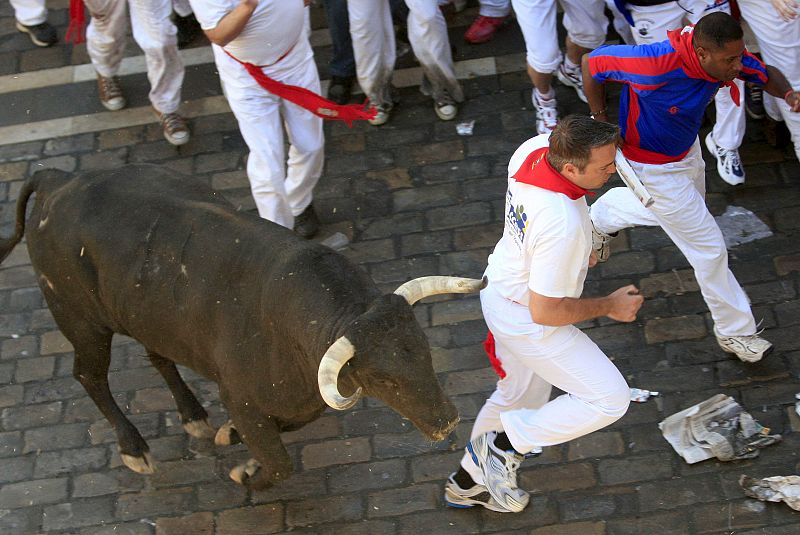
pixel 285 327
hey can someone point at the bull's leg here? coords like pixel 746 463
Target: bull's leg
pixel 271 463
pixel 92 359
pixel 193 415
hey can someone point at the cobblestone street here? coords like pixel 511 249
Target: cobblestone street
pixel 414 198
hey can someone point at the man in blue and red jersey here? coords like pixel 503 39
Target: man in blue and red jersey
pixel 667 87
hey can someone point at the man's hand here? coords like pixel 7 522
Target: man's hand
pixel 592 258
pixel 787 9
pixel 793 100
pixel 625 303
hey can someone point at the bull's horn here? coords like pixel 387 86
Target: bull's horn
pixel 416 289
pixel 328 375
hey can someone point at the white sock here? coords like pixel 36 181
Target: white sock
pixel 550 95
pixel 569 66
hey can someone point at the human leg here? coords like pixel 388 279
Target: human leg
pixel 374 50
pixel 31 18
pixel 427 32
pixel 342 64
pixel 105 36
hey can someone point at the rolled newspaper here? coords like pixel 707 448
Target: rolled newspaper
pixel 628 175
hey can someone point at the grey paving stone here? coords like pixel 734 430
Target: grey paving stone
pixel 88 512
pixel 251 520
pixel 16 469
pixel 34 492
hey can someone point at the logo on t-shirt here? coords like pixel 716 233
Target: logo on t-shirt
pixel 516 220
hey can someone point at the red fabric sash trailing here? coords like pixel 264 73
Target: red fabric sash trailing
pixel 488 346
pixel 537 171
pixel 77 23
pixel 309 100
pixel 681 40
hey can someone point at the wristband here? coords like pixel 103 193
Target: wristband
pixel 788 93
pixel 593 114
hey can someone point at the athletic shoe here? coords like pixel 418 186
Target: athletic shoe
pixel 382 114
pixel 754 101
pixel 446 108
pixel 455 496
pixel 601 243
pixel 729 166
pixel 751 348
pixel 110 93
pixel 175 129
pixel 42 34
pixel 306 225
pixel 340 89
pixel 546 114
pixel 499 471
pixel 571 78
pixel 483 29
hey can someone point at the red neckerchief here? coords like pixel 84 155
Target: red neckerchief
pixel 489 347
pixel 77 22
pixel 681 41
pixel 537 171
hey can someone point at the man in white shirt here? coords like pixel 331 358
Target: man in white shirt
pixel 271 35
pixel 536 275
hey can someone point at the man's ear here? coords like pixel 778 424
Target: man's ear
pixel 569 170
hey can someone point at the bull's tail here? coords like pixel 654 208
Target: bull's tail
pixel 7 244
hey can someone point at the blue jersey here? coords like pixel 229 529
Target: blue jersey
pixel 665 94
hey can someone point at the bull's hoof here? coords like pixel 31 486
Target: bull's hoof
pixel 227 435
pixel 140 465
pixel 199 429
pixel 244 473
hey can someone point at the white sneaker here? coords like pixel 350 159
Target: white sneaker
pixel 571 78
pixel 601 243
pixel 751 348
pixel 445 108
pixel 499 472
pixel 382 115
pixel 546 114
pixel 729 166
pixel 455 496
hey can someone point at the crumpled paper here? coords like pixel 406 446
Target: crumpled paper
pixel 717 427
pixel 740 225
pixel 773 489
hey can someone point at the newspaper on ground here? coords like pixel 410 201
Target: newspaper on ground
pixel 740 225
pixel 716 428
pixel 773 489
pixel 465 128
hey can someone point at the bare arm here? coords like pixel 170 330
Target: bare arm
pixel 595 92
pixel 232 24
pixel 778 86
pixel 621 305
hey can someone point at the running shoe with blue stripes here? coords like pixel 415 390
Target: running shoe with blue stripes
pixel 455 496
pixel 499 471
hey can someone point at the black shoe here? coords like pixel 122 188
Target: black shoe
pixel 754 101
pixel 340 89
pixel 188 29
pixel 306 225
pixel 41 34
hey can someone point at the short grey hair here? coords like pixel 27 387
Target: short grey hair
pixel 575 136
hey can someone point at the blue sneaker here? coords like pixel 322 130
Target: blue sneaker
pixel 729 166
pixel 499 471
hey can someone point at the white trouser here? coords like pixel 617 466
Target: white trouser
pixel 678 190
pixel 620 23
pixel 155 34
pixel 651 24
pixel 535 357
pixel 29 12
pixel 182 7
pixel 779 41
pixel 584 20
pixel 495 8
pixel 374 48
pixel 281 192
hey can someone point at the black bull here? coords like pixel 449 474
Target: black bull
pixel 281 324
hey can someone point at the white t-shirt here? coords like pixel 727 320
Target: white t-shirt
pixel 273 29
pixel 546 240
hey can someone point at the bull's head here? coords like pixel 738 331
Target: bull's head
pixel 388 356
